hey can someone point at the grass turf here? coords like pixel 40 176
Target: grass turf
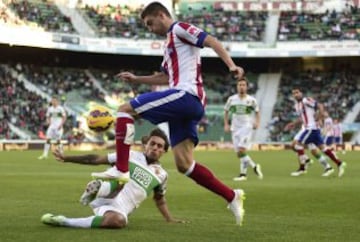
pixel 278 208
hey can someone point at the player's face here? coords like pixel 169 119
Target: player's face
pixel 242 87
pixel 54 102
pixel 155 148
pixel 155 24
pixel 297 94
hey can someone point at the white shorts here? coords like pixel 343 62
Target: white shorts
pixel 297 135
pixel 54 133
pixel 241 138
pixel 310 146
pixel 121 204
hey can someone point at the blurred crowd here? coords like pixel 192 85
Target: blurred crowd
pixel 330 25
pixel 41 14
pixel 229 26
pixel 122 21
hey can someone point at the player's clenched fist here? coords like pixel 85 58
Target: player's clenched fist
pixel 126 76
pixel 237 72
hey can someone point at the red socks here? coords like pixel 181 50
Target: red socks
pixel 124 136
pixel 203 176
pixel 332 156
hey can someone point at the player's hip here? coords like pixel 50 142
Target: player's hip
pixel 169 105
pixel 308 136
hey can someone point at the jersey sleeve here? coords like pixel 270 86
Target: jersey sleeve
pixel 161 189
pixel 190 34
pixel 63 112
pixel 310 102
pixel 227 104
pixel 48 112
pixel 256 105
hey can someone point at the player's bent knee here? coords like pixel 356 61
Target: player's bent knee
pixel 181 168
pixel 183 164
pixel 241 152
pixel 126 108
pixel 113 220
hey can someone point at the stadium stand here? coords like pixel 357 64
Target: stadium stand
pixel 119 21
pixel 226 25
pixel 42 14
pixel 23 108
pixel 330 25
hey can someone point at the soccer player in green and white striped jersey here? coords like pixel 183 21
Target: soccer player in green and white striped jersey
pixel 241 109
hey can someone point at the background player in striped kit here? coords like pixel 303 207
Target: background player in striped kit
pixel 328 130
pixel 310 112
pixel 338 136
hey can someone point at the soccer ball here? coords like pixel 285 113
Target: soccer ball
pixel 99 119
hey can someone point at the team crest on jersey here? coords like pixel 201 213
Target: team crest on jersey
pixel 193 30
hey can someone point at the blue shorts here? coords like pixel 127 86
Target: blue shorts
pixel 180 109
pixel 338 140
pixel 329 140
pixel 308 136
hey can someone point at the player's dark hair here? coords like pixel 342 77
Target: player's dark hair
pixel 154 8
pixel 159 133
pixel 297 87
pixel 243 79
pixel 144 139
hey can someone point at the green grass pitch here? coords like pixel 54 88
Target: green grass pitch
pixel 278 208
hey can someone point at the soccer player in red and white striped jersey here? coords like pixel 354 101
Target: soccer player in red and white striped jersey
pixel 310 112
pixel 338 135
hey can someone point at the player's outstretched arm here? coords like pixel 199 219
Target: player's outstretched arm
pixel 257 120
pixel 226 121
pixel 90 159
pixel 158 78
pixel 292 124
pixel 213 43
pixel 161 204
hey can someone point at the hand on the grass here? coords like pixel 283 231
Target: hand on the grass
pixel 178 221
pixel 58 155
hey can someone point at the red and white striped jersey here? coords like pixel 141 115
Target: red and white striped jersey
pixel 182 61
pixel 306 109
pixel 328 127
pixel 337 130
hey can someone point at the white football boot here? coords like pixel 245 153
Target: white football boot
pixel 328 172
pixel 298 173
pixel 237 206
